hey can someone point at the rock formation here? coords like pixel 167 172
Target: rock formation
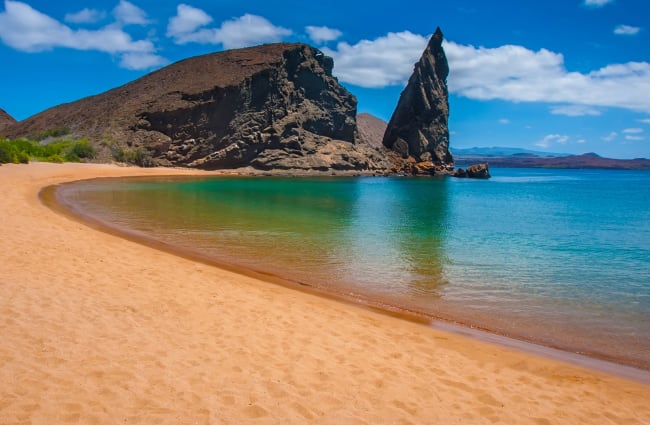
pixel 477 171
pixel 271 107
pixel 5 119
pixel 418 129
pixel 371 129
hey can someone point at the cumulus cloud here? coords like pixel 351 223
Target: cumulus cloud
pixel 511 73
pixel 645 120
pixel 597 3
pixel 187 20
pixel 24 28
pixel 626 30
pixel 85 16
pixel 610 137
pixel 575 110
pixel 504 121
pixel 127 13
pixel 140 61
pixel 550 139
pixel 384 61
pixel 320 35
pixel 517 74
pixel 244 31
pixel 633 130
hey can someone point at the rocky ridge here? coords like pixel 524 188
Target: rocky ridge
pixel 418 128
pixel 5 119
pixel 270 107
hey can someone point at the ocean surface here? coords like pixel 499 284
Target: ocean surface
pixel 557 257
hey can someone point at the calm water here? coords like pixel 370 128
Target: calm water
pixel 561 257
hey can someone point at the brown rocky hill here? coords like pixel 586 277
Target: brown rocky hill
pixel 5 119
pixel 270 107
pixel 371 129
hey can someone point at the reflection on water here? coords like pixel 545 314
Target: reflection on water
pixel 333 233
pixel 557 256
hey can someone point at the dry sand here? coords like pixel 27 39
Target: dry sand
pixel 98 329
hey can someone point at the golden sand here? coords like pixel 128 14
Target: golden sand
pixel 98 329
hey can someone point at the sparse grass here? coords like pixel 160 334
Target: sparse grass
pixel 21 151
pixel 138 156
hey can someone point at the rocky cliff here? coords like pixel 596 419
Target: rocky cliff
pixel 5 119
pixel 418 128
pixel 271 107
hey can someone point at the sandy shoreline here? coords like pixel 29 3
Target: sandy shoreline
pixel 98 329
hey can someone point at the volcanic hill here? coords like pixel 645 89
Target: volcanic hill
pixel 5 119
pixel 270 107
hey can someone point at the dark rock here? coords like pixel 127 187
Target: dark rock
pixel 460 173
pixel 271 107
pixel 5 119
pixel 478 171
pixel 419 125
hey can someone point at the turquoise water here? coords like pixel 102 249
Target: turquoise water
pixel 559 257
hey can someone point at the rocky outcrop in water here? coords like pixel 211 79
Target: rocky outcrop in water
pixel 418 128
pixel 5 119
pixel 271 107
pixel 477 171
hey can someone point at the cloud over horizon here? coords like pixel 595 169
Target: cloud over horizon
pixel 509 72
pixel 320 35
pixel 244 31
pixel 26 29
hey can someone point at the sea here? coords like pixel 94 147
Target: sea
pixel 555 257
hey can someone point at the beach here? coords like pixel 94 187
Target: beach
pixel 99 329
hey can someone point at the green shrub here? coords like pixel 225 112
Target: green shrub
pixel 80 149
pixel 138 156
pixel 22 150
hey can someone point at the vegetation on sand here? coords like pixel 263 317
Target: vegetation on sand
pixel 21 151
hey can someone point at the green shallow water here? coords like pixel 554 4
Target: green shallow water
pixel 559 257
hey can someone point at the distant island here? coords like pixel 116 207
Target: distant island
pixel 521 158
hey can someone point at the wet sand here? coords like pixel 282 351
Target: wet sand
pixel 99 329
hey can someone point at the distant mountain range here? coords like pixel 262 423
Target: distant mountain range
pixel 523 158
pixel 502 151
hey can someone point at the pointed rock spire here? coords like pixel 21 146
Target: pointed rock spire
pixel 419 125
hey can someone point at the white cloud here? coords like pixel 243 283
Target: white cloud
pixel 575 110
pixel 626 30
pixel 549 139
pixel 320 35
pixel 85 16
pixel 516 74
pixel 381 62
pixel 140 61
pixel 597 3
pixel 633 130
pixel 187 20
pixel 247 30
pixel 645 120
pixel 128 13
pixel 610 137
pixel 511 73
pixel 634 138
pixel 581 141
pixel 29 30
pixel 504 121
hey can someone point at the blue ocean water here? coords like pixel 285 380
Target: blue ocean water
pixel 559 257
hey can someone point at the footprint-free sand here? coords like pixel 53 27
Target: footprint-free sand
pixel 98 329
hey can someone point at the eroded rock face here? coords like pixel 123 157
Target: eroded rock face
pixel 418 128
pixel 271 107
pixel 5 119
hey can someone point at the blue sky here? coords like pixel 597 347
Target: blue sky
pixel 558 76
